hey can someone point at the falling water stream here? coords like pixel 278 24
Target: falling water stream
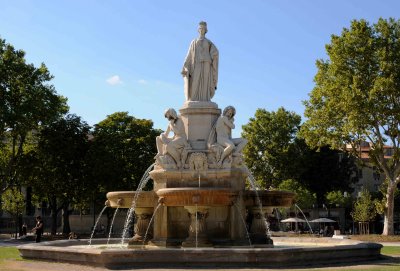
pixel 151 221
pixel 244 223
pixel 196 216
pixel 256 188
pixel 95 224
pixel 297 206
pixel 112 224
pixel 142 184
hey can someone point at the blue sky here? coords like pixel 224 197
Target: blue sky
pixel 123 55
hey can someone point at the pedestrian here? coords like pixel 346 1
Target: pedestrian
pixel 38 229
pixel 24 229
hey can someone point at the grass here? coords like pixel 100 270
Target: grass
pixel 374 268
pixel 376 238
pixel 9 253
pixel 387 250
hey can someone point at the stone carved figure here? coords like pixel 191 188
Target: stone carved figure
pixel 198 162
pixel 177 146
pixel 223 134
pixel 200 69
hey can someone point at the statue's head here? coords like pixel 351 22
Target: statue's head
pixel 203 27
pixel 229 110
pixel 170 114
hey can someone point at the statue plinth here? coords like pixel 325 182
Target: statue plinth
pixel 199 117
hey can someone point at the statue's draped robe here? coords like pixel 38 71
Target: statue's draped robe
pixel 201 66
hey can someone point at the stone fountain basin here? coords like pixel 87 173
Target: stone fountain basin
pixel 312 251
pixel 191 196
pixel 269 198
pixel 123 199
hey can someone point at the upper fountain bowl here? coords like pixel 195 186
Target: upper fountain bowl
pixel 191 196
pixel 124 199
pixel 269 198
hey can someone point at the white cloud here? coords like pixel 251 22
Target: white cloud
pixel 114 80
pixel 142 81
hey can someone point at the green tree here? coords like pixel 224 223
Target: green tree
pixel 13 202
pixel 364 209
pixel 356 98
pixel 57 167
pixel 123 147
pixel 269 153
pixel 304 197
pixel 275 153
pixel 28 101
pixel 323 170
pixel 337 198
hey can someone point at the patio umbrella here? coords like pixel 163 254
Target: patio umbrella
pixel 293 219
pixel 323 220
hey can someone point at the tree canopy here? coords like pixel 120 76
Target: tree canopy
pixel 269 152
pixel 56 168
pixel 304 197
pixel 28 100
pixel 356 98
pixel 274 153
pixel 364 208
pixel 123 147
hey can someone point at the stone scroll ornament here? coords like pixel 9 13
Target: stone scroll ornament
pixel 200 69
pixel 225 151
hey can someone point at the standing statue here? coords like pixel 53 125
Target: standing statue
pixel 223 129
pixel 177 146
pixel 200 70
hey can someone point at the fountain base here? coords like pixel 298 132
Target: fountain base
pixel 288 252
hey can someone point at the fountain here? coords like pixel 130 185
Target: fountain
pixel 195 213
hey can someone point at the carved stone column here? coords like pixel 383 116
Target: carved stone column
pixel 143 216
pixel 198 227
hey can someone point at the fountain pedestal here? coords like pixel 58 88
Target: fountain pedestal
pixel 210 219
pixel 142 217
pixel 199 118
pixel 198 227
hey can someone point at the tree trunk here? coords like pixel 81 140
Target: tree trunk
pixel 20 224
pixel 65 216
pixel 388 228
pixel 53 205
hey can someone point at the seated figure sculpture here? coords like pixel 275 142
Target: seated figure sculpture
pixel 177 146
pixel 225 145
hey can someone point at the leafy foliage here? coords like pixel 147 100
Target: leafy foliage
pixel 364 208
pixel 56 169
pixel 274 153
pixel 338 198
pixel 27 102
pixel 356 98
pixel 304 197
pixel 269 152
pixel 12 201
pixel 323 170
pixel 122 148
